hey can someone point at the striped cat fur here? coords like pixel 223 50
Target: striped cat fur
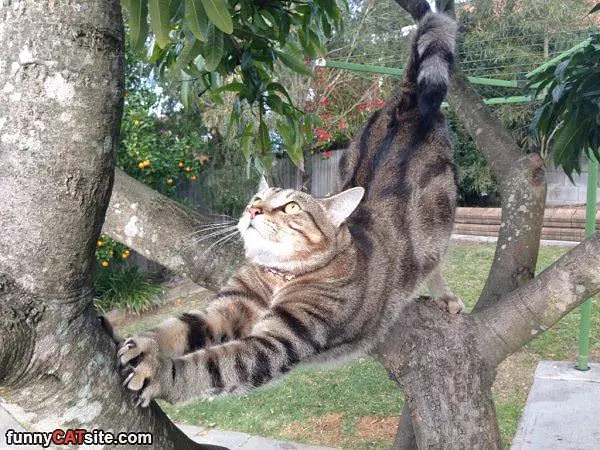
pixel 325 278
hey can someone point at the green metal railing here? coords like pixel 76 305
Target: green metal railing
pixel 394 72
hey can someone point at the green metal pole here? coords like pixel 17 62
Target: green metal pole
pixel 392 71
pixel 590 227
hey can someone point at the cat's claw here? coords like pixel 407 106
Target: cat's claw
pixel 451 304
pixel 139 347
pixel 140 355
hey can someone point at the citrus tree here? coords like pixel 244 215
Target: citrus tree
pixel 214 46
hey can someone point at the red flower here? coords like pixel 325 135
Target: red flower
pixel 342 125
pixel 324 101
pixel 327 154
pixel 323 136
pixel 362 106
pixel 379 104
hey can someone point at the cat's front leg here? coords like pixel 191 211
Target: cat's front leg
pixel 230 315
pixel 288 334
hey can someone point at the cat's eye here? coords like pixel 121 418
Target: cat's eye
pixel 255 200
pixel 291 208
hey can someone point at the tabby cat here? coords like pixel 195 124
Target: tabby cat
pixel 325 277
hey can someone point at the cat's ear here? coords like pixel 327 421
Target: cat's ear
pixel 340 206
pixel 263 185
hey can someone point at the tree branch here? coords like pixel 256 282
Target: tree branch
pixel 166 232
pixel 522 187
pixel 521 315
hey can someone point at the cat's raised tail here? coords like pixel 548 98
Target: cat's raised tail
pixel 430 64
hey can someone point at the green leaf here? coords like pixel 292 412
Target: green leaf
pixel 231 87
pixel 247 140
pixel 186 89
pixel 159 20
pixel 278 87
pixel 567 148
pixel 275 103
pixel 219 15
pixel 191 49
pixel 263 135
pixel 265 144
pixel 196 18
pixel 138 23
pixel 294 63
pixel 595 8
pixel 213 48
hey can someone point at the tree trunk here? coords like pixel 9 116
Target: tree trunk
pixel 60 108
pixel 447 382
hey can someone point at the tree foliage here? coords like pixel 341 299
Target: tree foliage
pixel 216 46
pixel 568 122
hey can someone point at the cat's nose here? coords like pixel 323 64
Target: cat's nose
pixel 254 211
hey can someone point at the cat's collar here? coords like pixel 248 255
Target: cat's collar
pixel 287 276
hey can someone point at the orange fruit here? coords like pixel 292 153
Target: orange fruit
pixel 105 264
pixel 193 178
pixel 100 244
pixel 170 181
pixel 141 165
pixel 180 164
pixel 124 255
pixel 188 169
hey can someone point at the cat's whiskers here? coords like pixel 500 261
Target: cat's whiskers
pixel 222 240
pixel 215 233
pixel 212 227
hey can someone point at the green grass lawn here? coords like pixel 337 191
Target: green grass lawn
pixel 356 406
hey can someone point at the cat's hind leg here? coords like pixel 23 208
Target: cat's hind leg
pixel 442 294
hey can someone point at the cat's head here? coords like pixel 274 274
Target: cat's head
pixel 293 231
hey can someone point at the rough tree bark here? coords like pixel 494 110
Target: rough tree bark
pixel 522 189
pixel 61 89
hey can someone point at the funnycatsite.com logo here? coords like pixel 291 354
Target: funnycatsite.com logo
pixel 77 436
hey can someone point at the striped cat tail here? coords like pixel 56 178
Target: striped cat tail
pixel 430 63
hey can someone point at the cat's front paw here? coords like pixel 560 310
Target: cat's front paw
pixel 450 303
pixel 144 368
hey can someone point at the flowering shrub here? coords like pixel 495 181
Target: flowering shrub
pixel 339 105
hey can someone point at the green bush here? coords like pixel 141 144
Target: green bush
pixel 124 288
